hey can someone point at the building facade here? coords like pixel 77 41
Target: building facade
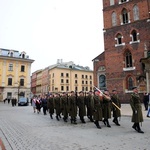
pixel 63 77
pixel 15 69
pixel 126 39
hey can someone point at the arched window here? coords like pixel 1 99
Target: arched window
pixel 114 19
pixel 136 12
pixel 134 36
pixel 128 59
pixel 129 83
pixel 125 18
pixel 102 81
pixel 119 39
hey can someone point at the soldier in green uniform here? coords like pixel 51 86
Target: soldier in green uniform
pixel 106 108
pixel 137 115
pixel 97 109
pixel 89 101
pixel 64 106
pixel 116 111
pixel 72 105
pixel 81 105
pixel 50 105
pixel 57 106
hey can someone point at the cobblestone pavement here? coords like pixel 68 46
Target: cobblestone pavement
pixel 21 129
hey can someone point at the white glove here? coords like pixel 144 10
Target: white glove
pixel 135 111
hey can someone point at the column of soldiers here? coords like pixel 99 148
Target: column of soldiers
pixel 95 107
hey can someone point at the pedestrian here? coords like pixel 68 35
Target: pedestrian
pixel 38 104
pixel 57 106
pixel 81 106
pixel 146 100
pixel 33 102
pixel 106 107
pixel 64 106
pixel 97 109
pixel 116 112
pixel 72 104
pixel 50 105
pixel 44 104
pixel 136 106
pixel 89 102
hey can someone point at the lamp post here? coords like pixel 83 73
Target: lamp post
pixel 18 89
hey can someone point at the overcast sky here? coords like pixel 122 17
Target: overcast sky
pixel 48 30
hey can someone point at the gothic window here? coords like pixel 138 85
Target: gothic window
pixel 134 36
pixel 119 39
pixel 129 83
pixel 135 12
pixel 114 19
pixel 111 2
pixel 128 59
pixel 102 81
pixel 125 18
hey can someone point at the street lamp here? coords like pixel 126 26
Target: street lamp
pixel 18 89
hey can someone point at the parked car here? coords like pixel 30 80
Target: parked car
pixel 23 101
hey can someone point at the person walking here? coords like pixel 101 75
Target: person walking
pixel 136 106
pixel 81 106
pixel 34 104
pixel 106 107
pixel 97 109
pixel 116 112
pixel 72 105
pixel 50 105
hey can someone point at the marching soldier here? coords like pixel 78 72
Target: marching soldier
pixel 116 112
pixel 51 105
pixel 64 106
pixel 81 105
pixel 137 115
pixel 97 109
pixel 72 104
pixel 106 108
pixel 89 102
pixel 57 106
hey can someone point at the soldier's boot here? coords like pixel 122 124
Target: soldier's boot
pixel 82 120
pixel 107 122
pixel 51 116
pixel 91 119
pixel 59 115
pixel 57 118
pixel 135 126
pixel 139 129
pixel 65 119
pixel 74 121
pixel 115 120
pixel 97 124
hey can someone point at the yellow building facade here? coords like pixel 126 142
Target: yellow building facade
pixel 72 78
pixel 15 69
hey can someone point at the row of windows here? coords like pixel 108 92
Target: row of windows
pixel 10 81
pixel 66 88
pixel 22 69
pixel 76 76
pixel 76 81
pixel 134 38
pixel 125 16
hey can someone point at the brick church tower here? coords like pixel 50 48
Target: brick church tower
pixel 126 42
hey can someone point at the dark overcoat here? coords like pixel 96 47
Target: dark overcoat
pixel 72 104
pixel 57 105
pixel 135 103
pixel 64 105
pixel 106 108
pixel 50 105
pixel 81 105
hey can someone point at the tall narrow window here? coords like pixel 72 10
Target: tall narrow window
pixel 129 83
pixel 128 59
pixel 111 2
pixel 10 67
pixel 21 82
pixel 9 81
pixel 125 18
pixel 134 36
pixel 102 81
pixel 136 12
pixel 114 19
pixel 22 68
pixel 119 39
